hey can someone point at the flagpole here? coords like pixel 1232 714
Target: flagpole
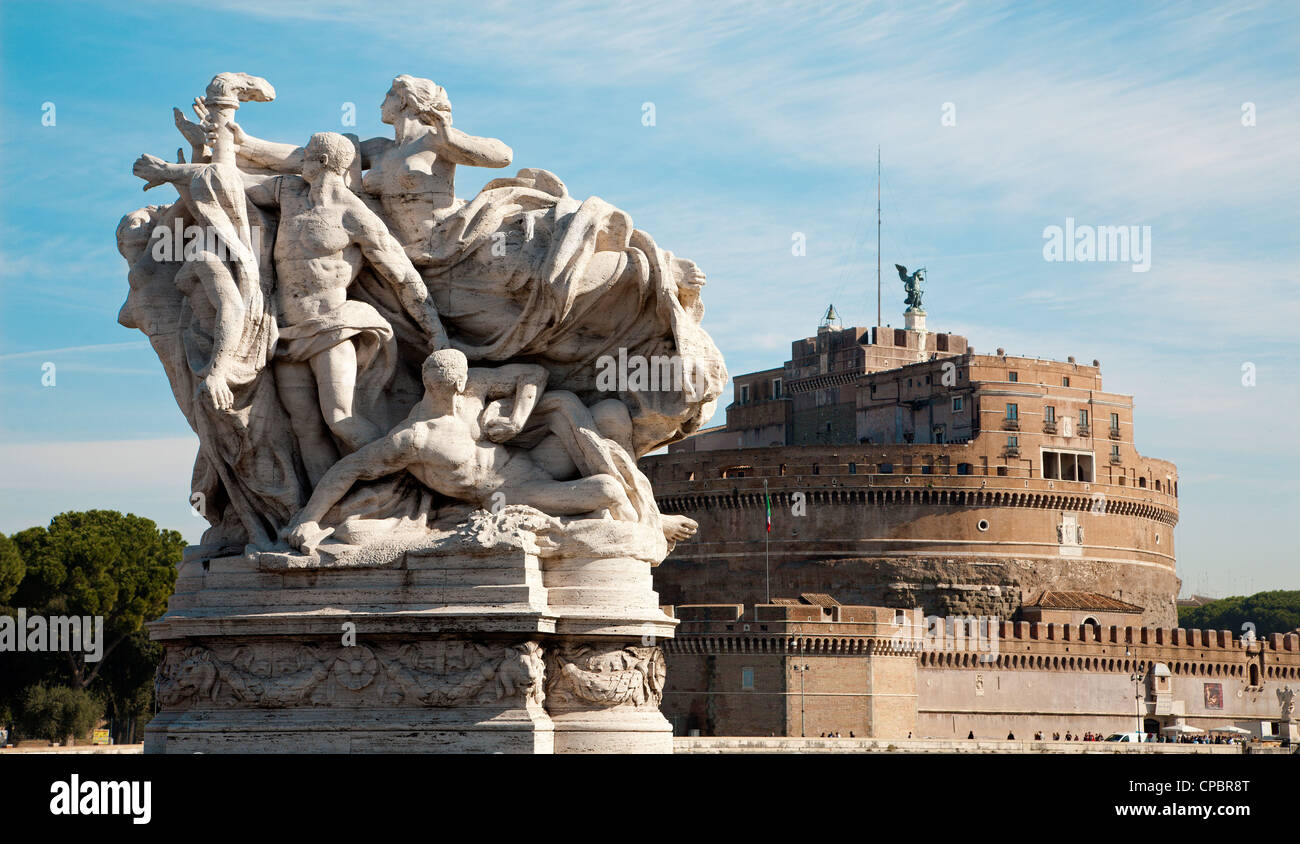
pixel 877 234
pixel 767 542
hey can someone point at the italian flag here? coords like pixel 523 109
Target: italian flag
pixel 769 508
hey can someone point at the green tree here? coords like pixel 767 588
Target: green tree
pixel 59 713
pixel 98 563
pixel 128 686
pixel 12 569
pixel 1270 612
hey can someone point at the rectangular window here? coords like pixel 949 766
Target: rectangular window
pixel 1114 452
pixel 744 394
pixel 747 678
pixel 1013 442
pixel 853 468
pixel 1114 421
pixel 1013 376
pixel 1065 382
pixel 776 388
pixel 1083 417
pixel 886 468
pixel 956 404
pixel 1013 411
pixel 1049 413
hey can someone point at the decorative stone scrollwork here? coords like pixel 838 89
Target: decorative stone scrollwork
pixel 268 675
pixel 606 678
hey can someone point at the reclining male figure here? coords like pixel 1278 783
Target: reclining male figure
pixel 451 445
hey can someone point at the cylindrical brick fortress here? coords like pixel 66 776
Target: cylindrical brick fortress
pixel 906 525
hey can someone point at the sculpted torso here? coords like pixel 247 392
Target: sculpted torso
pixel 315 256
pixel 450 453
pixel 417 189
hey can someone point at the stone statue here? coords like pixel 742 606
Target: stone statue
pixel 912 286
pixel 208 309
pixel 1286 699
pixel 328 341
pixel 420 400
pixel 452 443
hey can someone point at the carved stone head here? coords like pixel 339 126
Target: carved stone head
pixel 327 152
pixel 415 96
pixel 446 368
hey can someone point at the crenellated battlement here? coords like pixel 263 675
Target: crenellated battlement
pixel 981 643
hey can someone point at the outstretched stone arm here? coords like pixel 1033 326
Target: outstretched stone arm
pixel 261 190
pixel 519 383
pixel 459 148
pixel 380 458
pixel 373 148
pixel 383 251
pixel 282 158
pixel 228 326
pixel 156 171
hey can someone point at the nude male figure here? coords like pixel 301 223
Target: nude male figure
pixel 326 235
pixel 451 442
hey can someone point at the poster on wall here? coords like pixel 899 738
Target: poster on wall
pixel 1213 695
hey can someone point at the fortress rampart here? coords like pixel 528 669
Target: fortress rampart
pixel 903 525
pixel 884 673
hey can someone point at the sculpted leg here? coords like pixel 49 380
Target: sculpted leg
pixel 610 418
pixel 573 498
pixel 550 455
pixel 336 381
pixel 614 422
pixel 297 388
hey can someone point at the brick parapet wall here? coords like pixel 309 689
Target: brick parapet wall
pixel 1032 646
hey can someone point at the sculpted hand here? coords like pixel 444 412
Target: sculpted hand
pixel 439 120
pixel 438 337
pixel 152 169
pixel 217 391
pixel 192 132
pixel 498 427
pixel 690 275
pixel 236 133
pixel 501 429
pixel 694 277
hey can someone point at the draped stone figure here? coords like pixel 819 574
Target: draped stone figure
pixel 206 304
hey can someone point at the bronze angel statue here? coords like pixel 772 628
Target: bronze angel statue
pixel 912 286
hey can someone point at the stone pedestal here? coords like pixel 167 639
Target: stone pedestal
pixel 428 652
pixel 914 320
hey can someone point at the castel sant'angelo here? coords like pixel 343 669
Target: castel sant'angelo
pixel 901 538
pixel 905 470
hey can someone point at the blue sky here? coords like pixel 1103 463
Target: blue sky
pixel 767 117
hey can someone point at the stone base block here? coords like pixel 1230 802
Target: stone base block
pixel 605 732
pixel 441 653
pixel 470 730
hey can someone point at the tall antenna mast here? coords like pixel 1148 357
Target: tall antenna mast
pixel 877 234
